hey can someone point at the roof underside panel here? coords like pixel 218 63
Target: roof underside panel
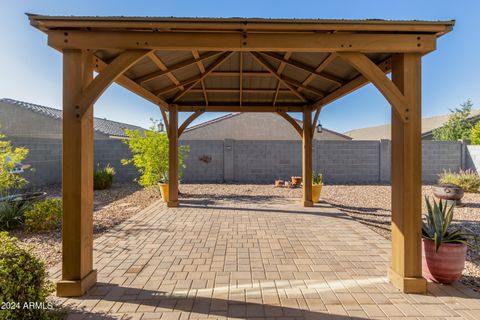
pixel 196 77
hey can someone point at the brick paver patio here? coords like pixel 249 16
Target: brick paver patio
pixel 253 260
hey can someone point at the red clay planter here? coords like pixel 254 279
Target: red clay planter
pixel 444 266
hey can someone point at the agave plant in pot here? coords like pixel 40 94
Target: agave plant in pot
pixel 317 183
pixel 444 249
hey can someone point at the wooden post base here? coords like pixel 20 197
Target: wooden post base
pixel 407 285
pixel 76 288
pixel 308 203
pixel 172 204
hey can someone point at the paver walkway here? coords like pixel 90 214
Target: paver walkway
pixel 258 260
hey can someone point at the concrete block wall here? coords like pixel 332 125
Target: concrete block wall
pixel 261 161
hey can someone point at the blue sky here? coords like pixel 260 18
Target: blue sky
pixel 32 71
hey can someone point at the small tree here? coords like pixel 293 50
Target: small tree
pixel 9 158
pixel 150 155
pixel 458 125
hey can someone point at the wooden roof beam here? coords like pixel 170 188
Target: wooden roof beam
pixel 170 69
pixel 280 69
pixel 304 67
pixel 234 41
pixel 356 83
pixel 210 68
pixel 164 68
pixel 273 71
pixel 318 69
pixel 195 106
pixel 201 68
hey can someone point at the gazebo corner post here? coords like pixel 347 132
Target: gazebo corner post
pixel 307 158
pixel 78 274
pixel 406 265
pixel 173 156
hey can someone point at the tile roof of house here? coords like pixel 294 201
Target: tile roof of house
pixel 383 131
pixel 104 126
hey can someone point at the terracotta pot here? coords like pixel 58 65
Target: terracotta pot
pixel 164 191
pixel 449 192
pixel 316 191
pixel 279 183
pixel 296 181
pixel 444 266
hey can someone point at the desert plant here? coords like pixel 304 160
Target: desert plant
pixel 468 180
pixel 9 158
pixel 317 178
pixel 436 227
pixel 44 215
pixel 12 214
pixel 103 178
pixel 458 125
pixel 150 155
pixel 23 280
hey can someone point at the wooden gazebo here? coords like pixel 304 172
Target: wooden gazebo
pixel 239 65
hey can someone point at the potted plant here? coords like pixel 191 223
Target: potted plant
pixel 317 183
pixel 163 185
pixel 296 181
pixel 443 250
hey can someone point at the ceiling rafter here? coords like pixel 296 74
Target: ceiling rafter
pixel 182 64
pixel 332 56
pixel 201 68
pixel 307 68
pixel 226 90
pixel 155 59
pixel 210 68
pixel 280 69
pixel 273 71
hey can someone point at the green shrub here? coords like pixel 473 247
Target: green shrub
pixel 475 134
pixel 468 180
pixel 150 155
pixel 23 279
pixel 44 215
pixel 458 125
pixel 12 214
pixel 103 178
pixel 9 157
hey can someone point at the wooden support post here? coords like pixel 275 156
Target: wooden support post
pixel 77 178
pixel 307 157
pixel 173 157
pixel 406 267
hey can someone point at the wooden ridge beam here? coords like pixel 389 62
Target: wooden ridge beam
pixel 189 120
pixel 210 68
pixel 235 41
pixel 292 121
pixel 237 73
pixel 378 78
pixel 304 67
pixel 192 107
pixel 273 71
pixel 196 60
pixel 233 90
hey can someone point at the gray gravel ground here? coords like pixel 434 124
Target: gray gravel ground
pixel 369 204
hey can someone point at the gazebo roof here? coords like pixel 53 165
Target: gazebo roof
pixel 239 64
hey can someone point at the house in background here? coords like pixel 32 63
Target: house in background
pixel 428 125
pixel 252 126
pixel 23 119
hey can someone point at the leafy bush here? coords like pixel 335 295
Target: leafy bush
pixel 468 180
pixel 475 134
pixel 9 157
pixel 23 279
pixel 44 215
pixel 12 214
pixel 103 178
pixel 317 178
pixel 458 125
pixel 150 155
pixel 436 227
